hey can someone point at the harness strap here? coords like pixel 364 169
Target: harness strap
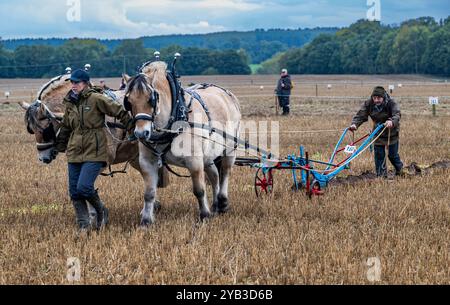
pixel 112 173
pixel 233 138
pixel 206 86
pixel 144 117
pixel 48 85
pixel 175 173
pixel 152 148
pixel 44 146
pixel 197 96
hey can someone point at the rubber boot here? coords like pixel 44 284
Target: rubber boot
pixel 102 211
pixel 82 214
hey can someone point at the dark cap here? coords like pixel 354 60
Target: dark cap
pixel 379 91
pixel 79 76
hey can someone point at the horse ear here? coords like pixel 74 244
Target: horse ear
pixel 126 77
pixel 24 105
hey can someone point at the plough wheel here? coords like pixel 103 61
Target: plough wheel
pixel 263 182
pixel 315 189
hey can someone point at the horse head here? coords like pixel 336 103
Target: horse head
pixel 44 125
pixel 148 98
pixel 41 121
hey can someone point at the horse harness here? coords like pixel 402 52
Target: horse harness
pixel 180 113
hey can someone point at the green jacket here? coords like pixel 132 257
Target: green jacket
pixel 82 135
pixel 389 110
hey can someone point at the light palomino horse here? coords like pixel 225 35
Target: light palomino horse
pixel 150 98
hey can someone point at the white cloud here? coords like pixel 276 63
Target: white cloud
pixel 190 28
pixel 235 5
pixel 134 18
pixel 114 18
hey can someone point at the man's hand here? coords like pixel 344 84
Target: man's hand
pixel 389 124
pixel 353 127
pixel 282 85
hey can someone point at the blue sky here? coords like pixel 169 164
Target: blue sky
pixel 135 18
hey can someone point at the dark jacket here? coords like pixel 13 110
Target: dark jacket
pixel 389 110
pixel 82 134
pixel 286 90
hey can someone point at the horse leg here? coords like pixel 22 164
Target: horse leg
pixel 135 164
pixel 149 172
pixel 213 176
pixel 199 187
pixel 222 199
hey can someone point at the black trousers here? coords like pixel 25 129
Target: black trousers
pixel 283 101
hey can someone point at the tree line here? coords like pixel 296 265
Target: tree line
pixel 259 44
pixel 417 46
pixel 44 61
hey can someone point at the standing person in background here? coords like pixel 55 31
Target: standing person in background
pixel 283 91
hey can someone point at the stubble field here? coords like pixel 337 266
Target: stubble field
pixel 284 239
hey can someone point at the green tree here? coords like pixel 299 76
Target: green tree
pixel 419 46
pixel 34 61
pixel 384 61
pixel 436 59
pixel 409 48
pixel 230 62
pixel 6 63
pixel 194 61
pixel 77 52
pixel 128 56
pixel 272 65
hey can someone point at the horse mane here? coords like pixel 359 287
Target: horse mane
pixel 138 83
pixel 156 72
pixel 53 84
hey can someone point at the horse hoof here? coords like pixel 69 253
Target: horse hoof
pixel 222 205
pixel 220 209
pixel 224 209
pixel 205 216
pixel 145 223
